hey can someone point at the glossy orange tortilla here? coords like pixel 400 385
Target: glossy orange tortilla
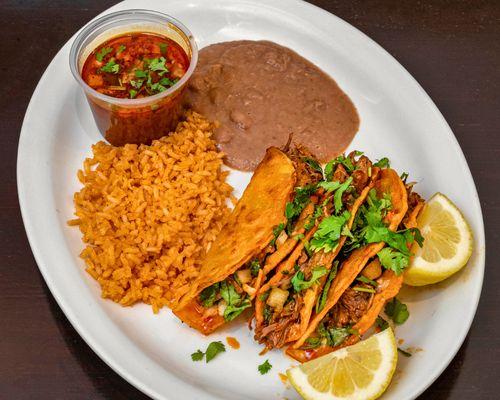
pixel 247 232
pixel 390 183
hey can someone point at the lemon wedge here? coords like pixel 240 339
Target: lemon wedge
pixel 359 372
pixel 447 245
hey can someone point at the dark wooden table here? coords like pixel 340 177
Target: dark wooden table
pixel 451 47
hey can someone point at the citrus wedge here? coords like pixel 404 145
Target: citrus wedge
pixel 447 245
pixel 359 372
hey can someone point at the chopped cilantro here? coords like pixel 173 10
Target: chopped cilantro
pixel 103 53
pixel 158 65
pixel 393 260
pixel 132 93
pixel 235 304
pixel 166 82
pixel 111 67
pixel 298 280
pixel 382 323
pixel 197 355
pixel 338 188
pixel 358 153
pixel 329 231
pixel 312 219
pixel 314 164
pixel 329 186
pixel 337 197
pixel 276 232
pixel 335 336
pixel 213 349
pixel 364 279
pixel 157 87
pixel 338 335
pixel 397 311
pixel 417 236
pixel 208 295
pixel 268 313
pixel 232 311
pixel 404 176
pixel 120 49
pixel 312 343
pixel 140 74
pixel 307 248
pixel 345 161
pixel 300 201
pixel 265 367
pixel 136 83
pixel 320 304
pixel 383 163
pixel 163 48
pixel 255 267
pixel 264 296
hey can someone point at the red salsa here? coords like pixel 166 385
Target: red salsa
pixel 135 65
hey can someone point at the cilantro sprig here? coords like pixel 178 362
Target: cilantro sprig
pixel 103 53
pixel 330 166
pixel 111 67
pixel 369 227
pixel 209 294
pixel 397 311
pixel 265 367
pixel 301 199
pixel 213 349
pixel 299 282
pixel 330 336
pixel 327 236
pixel 235 303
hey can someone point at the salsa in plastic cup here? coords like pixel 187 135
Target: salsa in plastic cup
pixel 146 104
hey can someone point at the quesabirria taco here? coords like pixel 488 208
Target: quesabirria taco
pixel 261 231
pixel 285 303
pixel 371 272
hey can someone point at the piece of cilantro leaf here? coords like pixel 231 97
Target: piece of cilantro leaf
pixel 265 367
pixel 397 311
pixel 213 349
pixel 299 282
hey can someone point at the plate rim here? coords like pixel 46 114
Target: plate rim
pixel 110 359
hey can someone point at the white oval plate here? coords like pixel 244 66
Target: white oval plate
pixel 398 120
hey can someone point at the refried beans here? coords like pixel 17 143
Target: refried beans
pixel 261 93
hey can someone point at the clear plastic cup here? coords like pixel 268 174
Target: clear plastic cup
pixel 142 120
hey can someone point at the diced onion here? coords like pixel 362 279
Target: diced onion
pixel 248 289
pixel 222 307
pixel 277 298
pixel 281 239
pixel 244 275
